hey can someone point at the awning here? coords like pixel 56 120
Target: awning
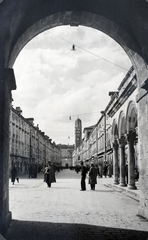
pixel 101 154
pixel 109 151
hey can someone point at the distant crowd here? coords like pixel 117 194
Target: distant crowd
pixel 106 170
pixel 92 170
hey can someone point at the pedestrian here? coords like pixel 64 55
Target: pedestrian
pixel 92 177
pixel 83 177
pixel 17 177
pixel 45 173
pixel 34 171
pixel 136 174
pixel 50 175
pixel 105 169
pixel 109 170
pixel 100 170
pixel 54 170
pixel 13 174
pixel 77 169
pixel 30 171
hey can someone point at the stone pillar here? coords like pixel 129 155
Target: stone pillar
pixel 115 162
pixel 131 160
pixel 122 143
pixel 142 101
pixel 7 83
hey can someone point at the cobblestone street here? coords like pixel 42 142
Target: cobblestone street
pixel 64 212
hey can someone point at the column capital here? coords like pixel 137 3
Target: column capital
pixel 7 75
pixel 131 137
pixel 122 141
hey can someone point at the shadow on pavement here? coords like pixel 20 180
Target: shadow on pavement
pixel 28 230
pixel 104 191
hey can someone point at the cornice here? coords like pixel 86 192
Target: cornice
pixel 125 94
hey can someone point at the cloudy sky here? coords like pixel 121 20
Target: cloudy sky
pixel 54 82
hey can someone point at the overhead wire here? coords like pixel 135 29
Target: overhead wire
pixel 70 116
pixel 96 55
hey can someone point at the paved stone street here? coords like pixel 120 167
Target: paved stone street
pixel 64 212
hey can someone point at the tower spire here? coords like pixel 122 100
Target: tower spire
pixel 78 132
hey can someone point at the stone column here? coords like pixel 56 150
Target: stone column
pixel 122 143
pixel 7 83
pixel 131 160
pixel 142 102
pixel 115 162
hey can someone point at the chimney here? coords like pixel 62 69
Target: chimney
pixel 30 120
pixel 18 109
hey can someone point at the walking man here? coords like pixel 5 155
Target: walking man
pixel 83 177
pixel 49 175
pixel 13 174
pixel 92 177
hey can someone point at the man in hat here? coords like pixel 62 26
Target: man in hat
pixel 83 177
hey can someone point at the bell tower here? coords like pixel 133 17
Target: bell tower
pixel 78 132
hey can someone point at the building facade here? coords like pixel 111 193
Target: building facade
pixel 66 155
pixel 113 140
pixel 29 145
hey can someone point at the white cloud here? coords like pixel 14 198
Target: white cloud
pixel 55 82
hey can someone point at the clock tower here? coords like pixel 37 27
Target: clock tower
pixel 78 132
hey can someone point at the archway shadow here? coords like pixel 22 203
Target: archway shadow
pixel 29 230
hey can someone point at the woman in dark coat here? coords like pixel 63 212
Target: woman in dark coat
pixel 13 174
pixel 49 176
pixel 93 177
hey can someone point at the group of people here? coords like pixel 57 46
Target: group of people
pixel 107 170
pixel 49 175
pixel 93 172
pixel 33 170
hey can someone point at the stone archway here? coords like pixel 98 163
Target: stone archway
pixel 131 116
pixel 131 119
pixel 23 20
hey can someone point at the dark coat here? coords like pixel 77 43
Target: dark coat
pixel 13 174
pixel 50 175
pixel 84 172
pixel 93 175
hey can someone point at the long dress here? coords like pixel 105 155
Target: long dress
pixel 83 176
pixel 93 177
pixel 50 178
pixel 13 174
